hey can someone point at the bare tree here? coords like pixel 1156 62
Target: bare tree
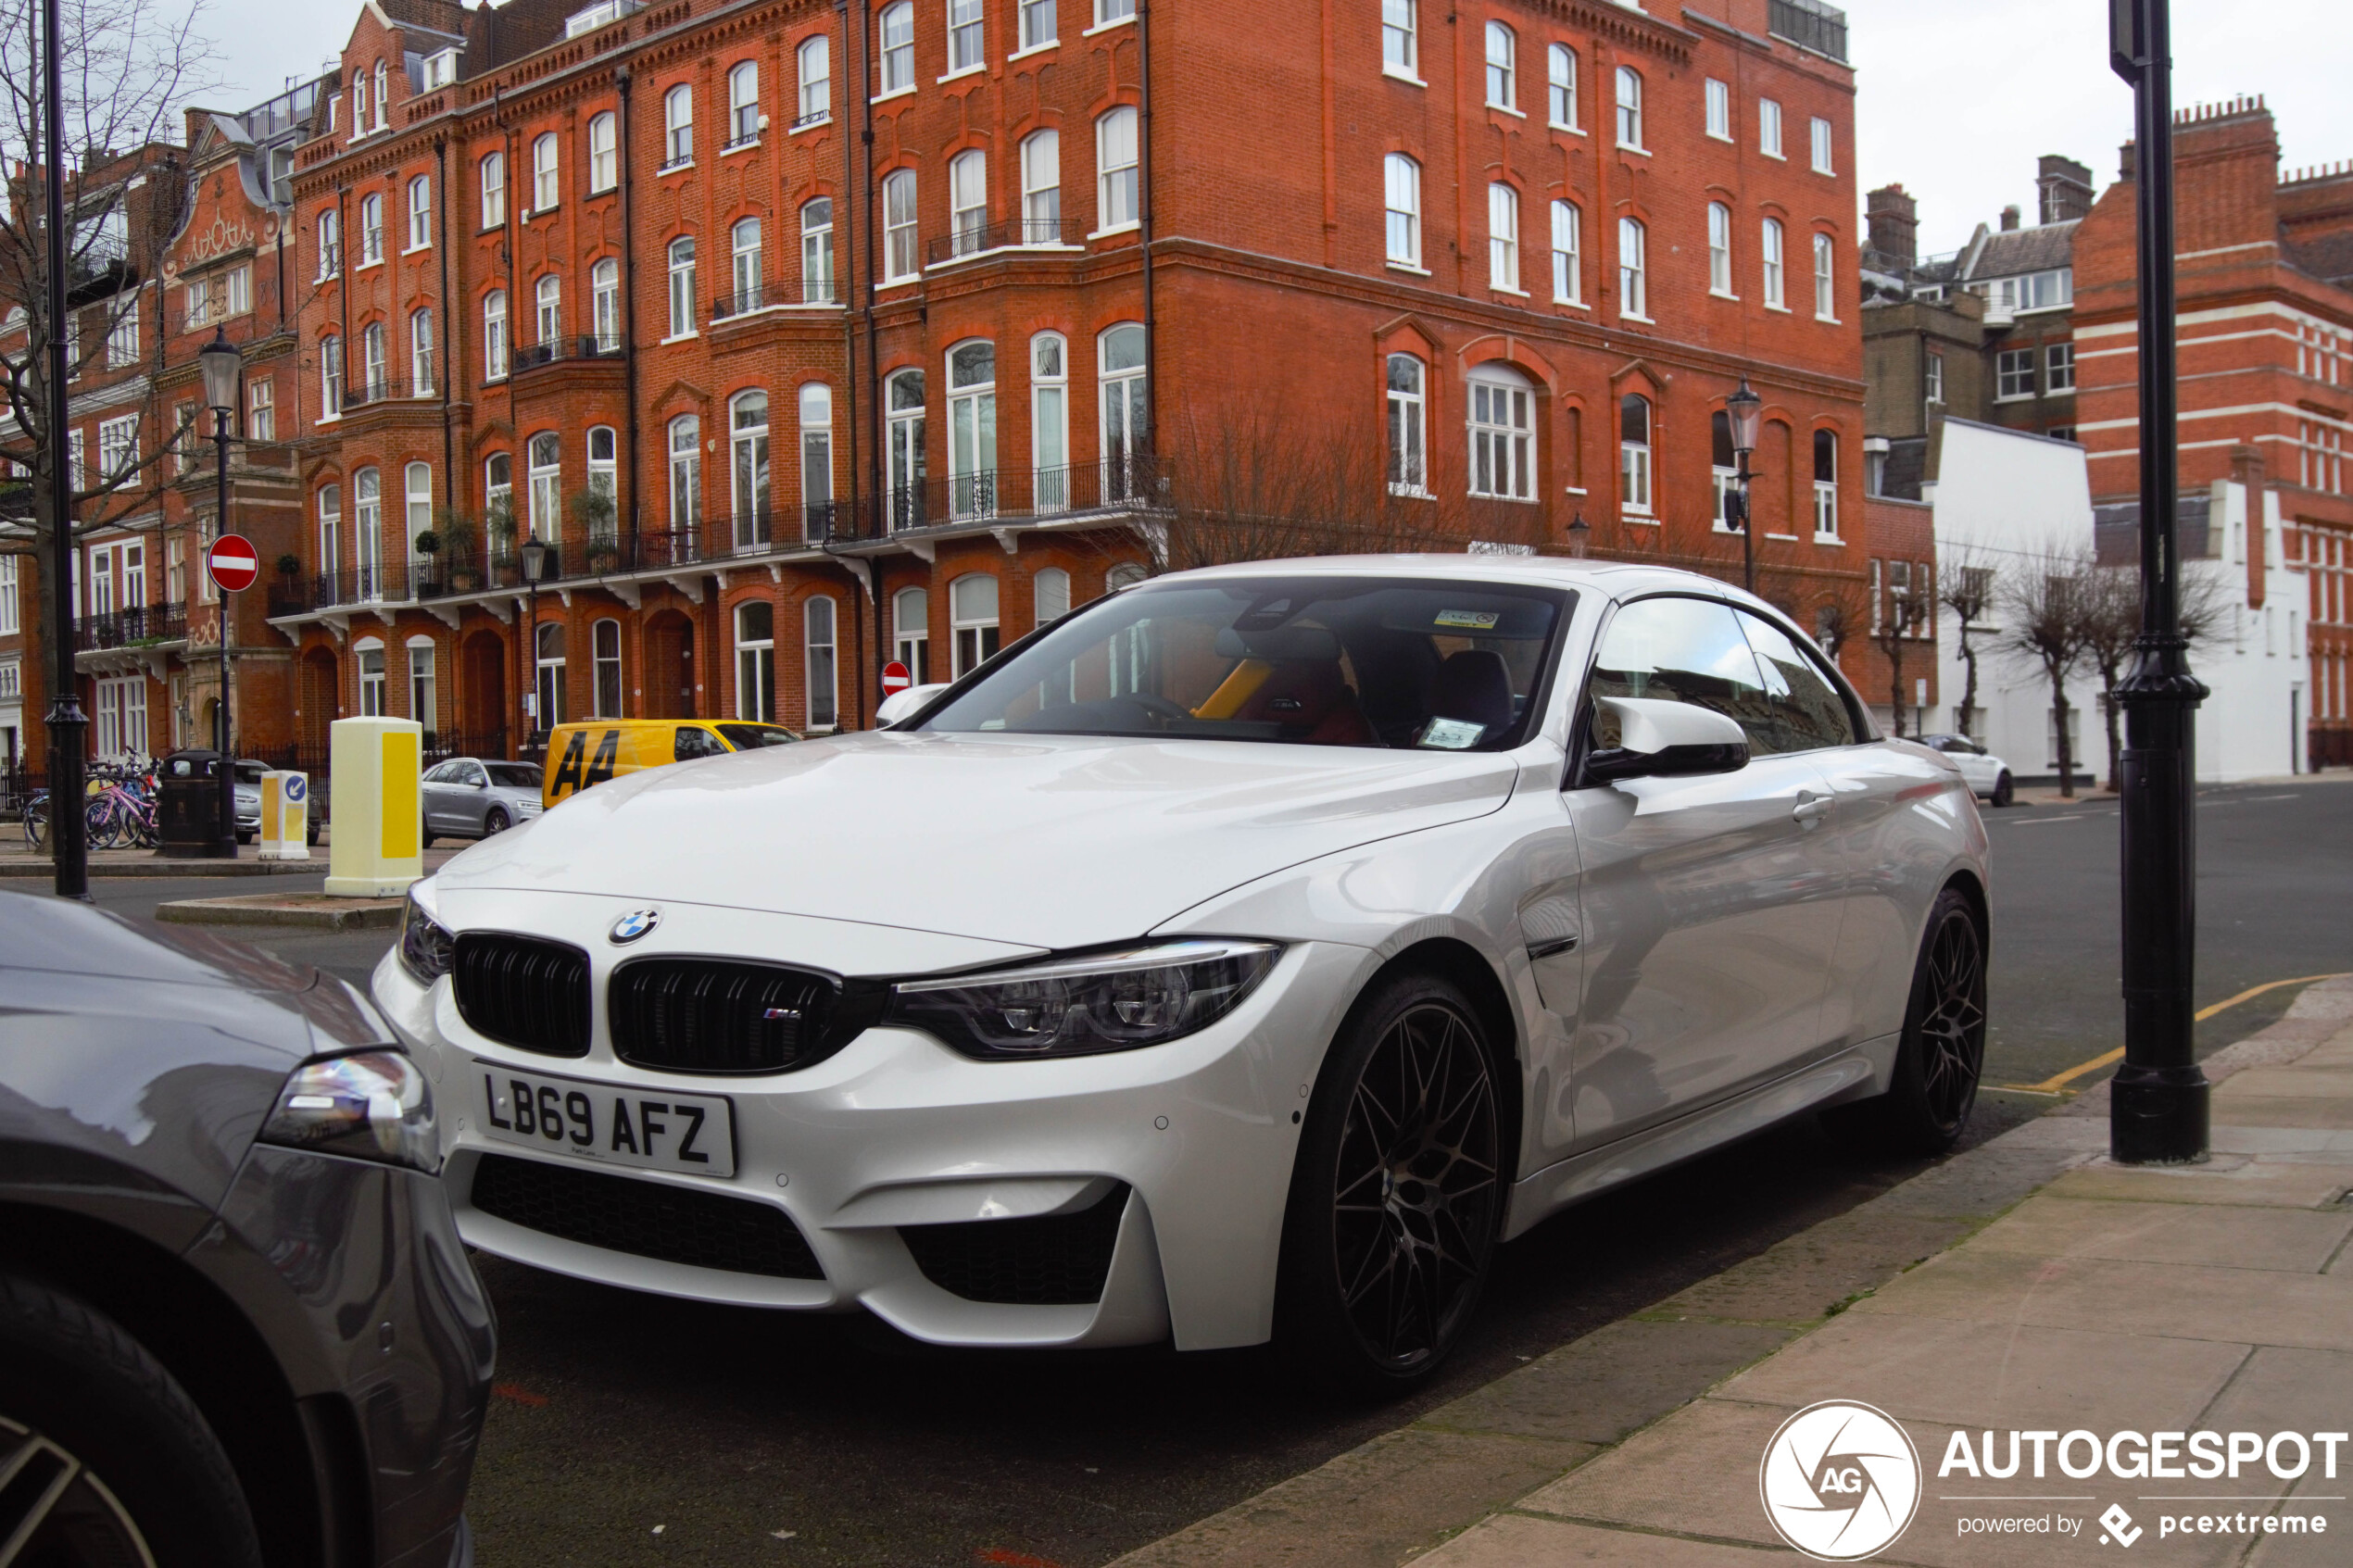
pixel 2050 600
pixel 1966 585
pixel 1841 615
pixel 1896 633
pixel 2112 624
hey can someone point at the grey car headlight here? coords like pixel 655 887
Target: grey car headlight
pixel 1086 1004
pixel 425 942
pixel 369 1105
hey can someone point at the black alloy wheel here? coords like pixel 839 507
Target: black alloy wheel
pixel 495 823
pixel 2004 791
pixel 1942 1055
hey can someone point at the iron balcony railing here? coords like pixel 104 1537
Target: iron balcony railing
pixel 386 388
pixel 971 239
pixel 1126 482
pixel 131 626
pixel 585 346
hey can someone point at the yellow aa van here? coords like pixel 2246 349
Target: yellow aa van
pixel 593 750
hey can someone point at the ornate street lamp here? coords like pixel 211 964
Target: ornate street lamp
pixel 220 362
pixel 1743 409
pixel 1580 533
pixel 537 556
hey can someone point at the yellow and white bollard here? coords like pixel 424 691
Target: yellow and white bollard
pixel 285 816
pixel 378 848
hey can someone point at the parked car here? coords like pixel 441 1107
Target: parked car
pixel 247 783
pixel 475 796
pixel 1248 954
pixel 236 1321
pixel 1988 775
pixel 590 752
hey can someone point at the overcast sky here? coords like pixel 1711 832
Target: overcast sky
pixel 1956 99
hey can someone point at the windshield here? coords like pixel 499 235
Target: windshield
pixel 249 772
pixel 1313 661
pixel 514 775
pixel 747 737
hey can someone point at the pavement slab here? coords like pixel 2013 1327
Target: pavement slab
pixel 2298 1240
pixel 1610 1382
pixel 2227 1179
pixel 1517 1540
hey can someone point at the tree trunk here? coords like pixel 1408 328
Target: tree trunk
pixel 2115 739
pixel 1968 685
pixel 1896 678
pixel 2059 719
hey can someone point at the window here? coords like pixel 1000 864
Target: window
pixel 604 652
pixel 1719 109
pixel 494 190
pixel 1126 431
pixel 1042 188
pixel 911 633
pixel 903 444
pixel 372 678
pixel 972 622
pixel 494 335
pixel 367 535
pixel 196 307
pixel 1629 109
pixel 1932 377
pixel 1503 46
pixel 971 429
pixel 548 646
pixel 604 154
pixel 963 36
pixel 359 106
pixel 899 226
pixel 1401 178
pixel 261 409
pixel 756 661
pixel 817 664
pixel 1408 451
pixel 1569 272
pixel 545 189
pixel 499 490
pixel 1825 296
pixel 1560 70
pixel 383 97
pixel 968 201
pixel 1399 45
pixel 122 335
pixel 816 460
pixel 1049 596
pixel 1633 273
pixel 1037 24
pixel 1109 11
pixel 1501 435
pixel 1502 237
pixel 685 478
pixel 743 104
pixel 817 252
pixel 898 27
pixel 1825 484
pixel 420 381
pixel 1772 252
pixel 374 359
pixel 416 489
pixel 546 459
pixel 604 485
pixel 183 447
pixel 743 244
pixel 2014 373
pixel 1805 710
pixel 10 621
pixel 816 58
pixel 330 377
pixel 420 212
pixel 329 243
pixel 372 229
pixel 681 286
pixel 604 305
pixel 1115 157
pixel 1769 128
pixel 1821 143
pixel 117 447
pixel 330 531
pixel 1719 250
pixel 1634 454
pixel 1723 465
pixel 678 126
pixel 421 706
pixel 2058 367
pixel 550 319
pixel 748 469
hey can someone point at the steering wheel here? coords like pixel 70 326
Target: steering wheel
pixel 1160 707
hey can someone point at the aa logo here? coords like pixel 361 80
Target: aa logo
pixel 1840 1481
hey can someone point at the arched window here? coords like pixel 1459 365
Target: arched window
pixel 903 437
pixel 547 643
pixel 498 497
pixel 1719 248
pixel 493 175
pixel 1629 109
pixel 604 651
pixel 1568 271
pixel 331 242
pixel 1825 484
pixel 383 96
pixel 896 27
pixel 1042 188
pixel 1633 269
pixel 330 377
pixel 911 633
pixel 604 155
pixel 1502 50
pixel 1408 432
pixel 367 535
pixel 545 459
pixel 1824 293
pixel 1127 434
pixel 604 305
pixel 972 620
pixel 421 379
pixel 1116 190
pixel 743 104
pixel 1049 595
pixel 368 653
pixel 816 461
pixel 678 126
pixel 1634 454
pixel 1049 421
pixel 546 187
pixel 744 246
pixel 421 707
pixel 550 320
pixel 420 212
pixel 494 335
pixel 818 665
pixel 374 370
pixel 603 494
pixel 416 492
pixel 1401 192
pixel 748 435
pixel 1399 38
pixel 816 73
pixel 968 201
pixel 685 486
pixel 963 36
pixel 1774 300
pixel 681 286
pixel 899 226
pixel 971 429
pixel 1502 237
pixel 1560 69
pixel 1503 434
pixel 756 660
pixel 330 532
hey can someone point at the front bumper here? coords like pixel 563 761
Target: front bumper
pixel 896 1130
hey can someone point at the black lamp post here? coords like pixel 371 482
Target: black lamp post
pixel 1580 534
pixel 1743 409
pixel 2157 1104
pixel 220 362
pixel 67 723
pixel 535 553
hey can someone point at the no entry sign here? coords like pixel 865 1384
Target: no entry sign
pixel 895 679
pixel 233 563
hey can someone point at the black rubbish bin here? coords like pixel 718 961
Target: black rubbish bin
pixel 188 816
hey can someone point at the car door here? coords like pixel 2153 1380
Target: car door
pixel 428 796
pixel 470 800
pixel 1709 912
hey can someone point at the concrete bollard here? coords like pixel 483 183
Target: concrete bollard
pixel 285 816
pixel 379 840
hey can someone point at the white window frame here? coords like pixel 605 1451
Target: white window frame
pixel 813 70
pixel 1503 67
pixel 1121 406
pixel 546 173
pixel 678 126
pixel 1042 187
pixel 1720 250
pixel 549 655
pixel 423 683
pixel 117 447
pixel 967 37
pixel 420 353
pixel 604 304
pixel 1050 423
pixel 973 633
pixel 1825 278
pixel 680 259
pixel 743 106
pixel 330 377
pixel 375 361
pixel 911 631
pixel 744 263
pixel 368 657
pixel 1637 481
pixel 820 668
pixel 329 243
pixel 1719 109
pixel 1560 87
pixel 367 535
pixel 1825 490
pixel 1633 269
pixel 262 407
pixel 895 60
pixel 420 212
pixel 816 407
pixel 604 153
pixel 1768 127
pixel 1503 238
pixel 685 436
pixel 1629 103
pixel 2058 366
pixel 967 202
pixel 372 229
pixel 1772 240
pixel 1821 139
pixel 817 251
pixel 547 307
pixel 330 520
pixel 122 334
pixel 1117 190
pixel 901 262
pixel 752 472
pixel 492 172
pixel 1402 198
pixel 544 471
pixel 495 346
pixel 1113 13
pixel 416 494
pixel 1568 254
pixel 972 433
pixel 1035 27
pixel 1406 409
pixel 1401 40
pixel 1500 421
pixel 602 665
pixel 2014 377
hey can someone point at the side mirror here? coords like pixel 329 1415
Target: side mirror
pixel 898 705
pixel 1661 739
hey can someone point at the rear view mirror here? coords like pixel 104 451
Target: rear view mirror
pixel 1660 739
pixel 897 705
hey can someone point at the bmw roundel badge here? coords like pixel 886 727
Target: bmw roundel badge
pixel 634 925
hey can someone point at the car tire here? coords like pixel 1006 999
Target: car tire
pixel 424 838
pixel 2004 792
pixel 76 1387
pixel 1397 1197
pixel 1942 1052
pixel 245 836
pixel 495 823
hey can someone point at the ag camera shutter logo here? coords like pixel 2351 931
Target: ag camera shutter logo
pixel 1840 1481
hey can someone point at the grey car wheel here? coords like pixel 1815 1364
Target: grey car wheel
pixel 496 820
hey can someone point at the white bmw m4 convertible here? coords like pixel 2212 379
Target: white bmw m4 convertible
pixel 1246 955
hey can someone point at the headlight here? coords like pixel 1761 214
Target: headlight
pixel 424 945
pixel 1082 1006
pixel 370 1105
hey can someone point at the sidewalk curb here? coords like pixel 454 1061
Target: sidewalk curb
pixel 311 911
pixel 28 867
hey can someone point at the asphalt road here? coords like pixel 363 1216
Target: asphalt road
pixel 634 1429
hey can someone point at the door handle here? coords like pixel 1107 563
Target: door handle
pixel 1811 807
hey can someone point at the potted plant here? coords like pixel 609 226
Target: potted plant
pixel 460 543
pixel 289 564
pixel 499 527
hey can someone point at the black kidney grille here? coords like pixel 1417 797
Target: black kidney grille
pixel 706 1230
pixel 1048 1260
pixel 705 1015
pixel 522 991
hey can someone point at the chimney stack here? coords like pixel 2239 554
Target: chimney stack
pixel 2009 218
pixel 1894 217
pixel 2066 188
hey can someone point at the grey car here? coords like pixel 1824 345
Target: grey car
pixel 237 1325
pixel 476 797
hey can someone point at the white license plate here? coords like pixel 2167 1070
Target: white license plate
pixel 654 1129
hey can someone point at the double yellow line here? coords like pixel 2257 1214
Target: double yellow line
pixel 2054 1084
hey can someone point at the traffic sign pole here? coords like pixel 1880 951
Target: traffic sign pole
pixel 232 564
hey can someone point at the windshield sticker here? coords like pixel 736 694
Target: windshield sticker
pixel 1450 735
pixel 1469 620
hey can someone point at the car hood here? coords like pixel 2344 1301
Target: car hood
pixel 1044 841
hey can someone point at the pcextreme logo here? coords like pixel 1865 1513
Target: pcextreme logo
pixel 1840 1481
